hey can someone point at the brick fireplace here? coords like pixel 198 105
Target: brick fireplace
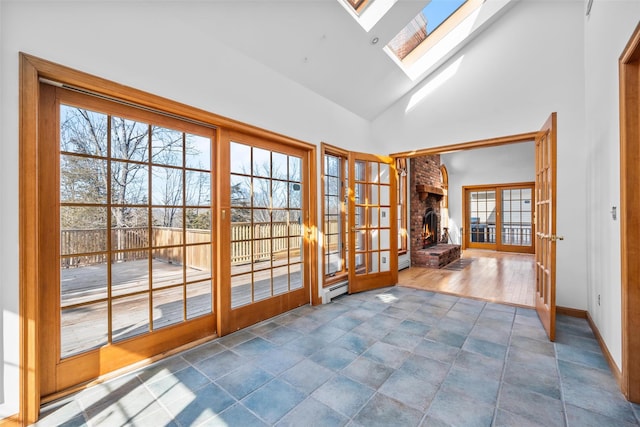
pixel 425 221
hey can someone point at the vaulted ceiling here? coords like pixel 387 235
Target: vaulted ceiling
pixel 319 45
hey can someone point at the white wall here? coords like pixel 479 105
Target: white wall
pixel 607 30
pixel 507 81
pixel 494 165
pixel 166 48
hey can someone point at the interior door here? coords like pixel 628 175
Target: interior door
pixel 546 225
pixel 373 247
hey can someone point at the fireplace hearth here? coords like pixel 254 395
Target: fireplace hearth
pixel 429 228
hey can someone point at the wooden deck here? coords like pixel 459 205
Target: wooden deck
pixel 86 326
pixel 491 276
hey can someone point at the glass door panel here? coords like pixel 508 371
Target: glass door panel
pixel 266 223
pixel 128 182
pixel 374 258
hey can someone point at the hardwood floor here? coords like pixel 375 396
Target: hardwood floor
pixel 486 275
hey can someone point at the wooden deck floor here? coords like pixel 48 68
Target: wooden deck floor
pixel 491 276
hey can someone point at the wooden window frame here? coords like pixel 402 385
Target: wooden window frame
pixel 344 162
pixel 497 246
pixel 32 70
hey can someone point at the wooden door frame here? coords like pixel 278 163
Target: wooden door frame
pixel 369 281
pixel 31 70
pixel 629 77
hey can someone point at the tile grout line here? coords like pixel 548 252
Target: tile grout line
pixel 504 369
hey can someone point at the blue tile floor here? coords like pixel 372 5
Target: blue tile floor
pixel 391 357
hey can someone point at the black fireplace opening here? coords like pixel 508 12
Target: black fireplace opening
pixel 429 228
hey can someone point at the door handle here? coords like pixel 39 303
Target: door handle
pixel 555 237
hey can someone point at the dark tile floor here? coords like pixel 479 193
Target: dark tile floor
pixel 392 357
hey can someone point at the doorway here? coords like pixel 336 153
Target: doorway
pixel 629 216
pixel 545 167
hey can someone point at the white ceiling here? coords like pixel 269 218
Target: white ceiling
pixel 319 45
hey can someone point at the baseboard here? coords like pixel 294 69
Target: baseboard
pixel 584 314
pixel 617 374
pixel 12 421
pixel 572 312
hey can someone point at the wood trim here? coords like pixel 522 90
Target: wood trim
pixel 223 300
pixel 617 374
pixel 74 78
pixel 481 143
pixel 571 312
pixel 312 222
pixel 130 368
pixel 629 80
pixel 28 243
pixel 344 155
pixel 11 421
pixel 584 314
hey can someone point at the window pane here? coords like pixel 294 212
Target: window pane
pixel 83 229
pixel 295 195
pixel 261 162
pixel 295 277
pixel 197 152
pixel 198 262
pixel 241 292
pixel 129 183
pixel 295 167
pixel 166 186
pixel 134 237
pixel 240 190
pixel 83 329
pixel 129 139
pixel 199 299
pixel 129 272
pixel 83 131
pixel 279 194
pixel 261 192
pixel 166 146
pixel 83 283
pixel 198 187
pixel 83 180
pixel 166 267
pixel 198 225
pixel 168 307
pixel 279 166
pixel 262 285
pixel 280 280
pixel 240 158
pixel 130 317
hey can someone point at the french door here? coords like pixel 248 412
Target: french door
pixel 264 217
pixel 500 217
pixel 546 237
pixel 127 244
pixel 373 247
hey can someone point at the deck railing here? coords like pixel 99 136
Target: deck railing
pixel 249 243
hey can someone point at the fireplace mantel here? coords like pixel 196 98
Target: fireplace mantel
pixel 425 191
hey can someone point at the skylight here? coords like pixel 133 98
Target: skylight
pixel 423 25
pixel 358 5
pixel 367 12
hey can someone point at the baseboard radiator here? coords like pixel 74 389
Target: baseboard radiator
pixel 334 291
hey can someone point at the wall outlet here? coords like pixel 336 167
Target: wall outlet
pixel 598 299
